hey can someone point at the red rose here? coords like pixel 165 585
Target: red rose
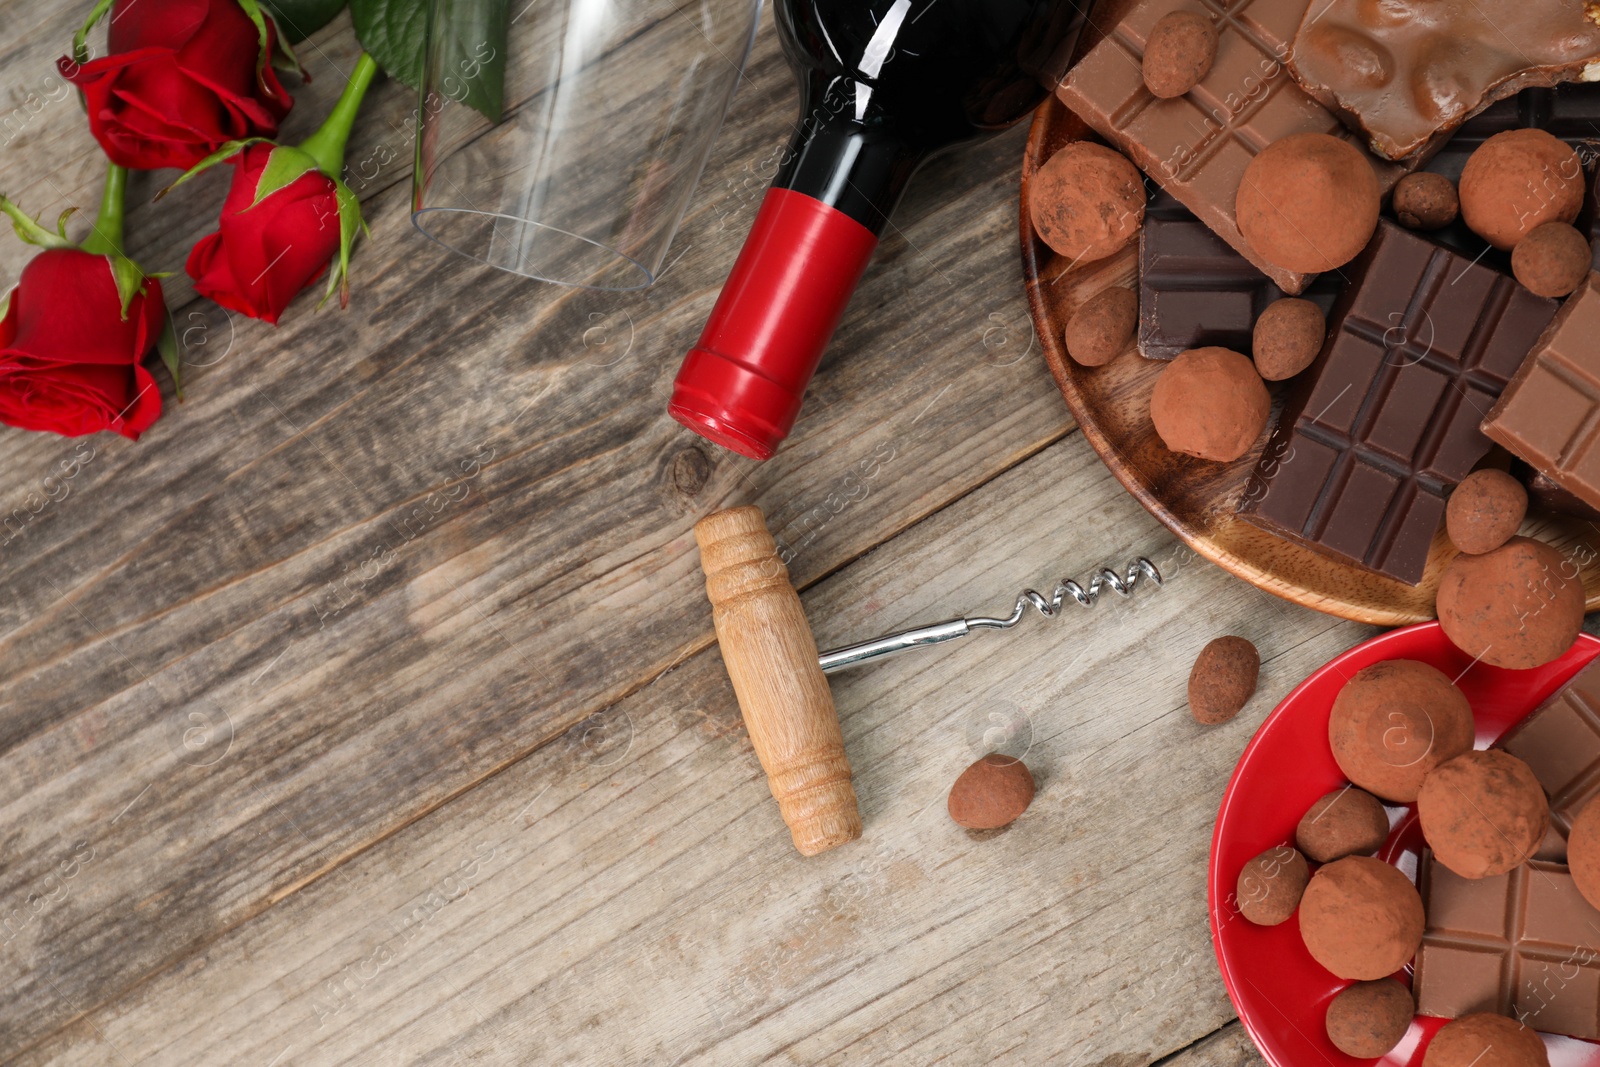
pixel 69 359
pixel 265 252
pixel 180 81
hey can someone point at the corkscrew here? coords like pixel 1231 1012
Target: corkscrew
pixel 780 680
pixel 838 659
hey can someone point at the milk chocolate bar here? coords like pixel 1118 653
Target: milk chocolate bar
pixel 1195 290
pixel 1550 413
pixel 1404 82
pixel 1524 944
pixel 1560 741
pixel 1198 145
pixel 1375 433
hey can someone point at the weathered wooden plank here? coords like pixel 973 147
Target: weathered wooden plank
pixel 1228 1047
pixel 627 894
pixel 379 554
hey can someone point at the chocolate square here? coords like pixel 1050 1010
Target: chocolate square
pixel 1560 741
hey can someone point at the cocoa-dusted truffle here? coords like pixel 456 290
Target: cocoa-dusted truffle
pixel 1103 327
pixel 1308 202
pixel 1485 510
pixel 1368 1019
pixel 1424 200
pixel 1270 885
pixel 1211 403
pixel 1519 606
pixel 1087 201
pixel 1483 813
pixel 1393 723
pixel 1485 1040
pixel 1223 679
pixel 1552 260
pixel 991 793
pixel 1178 53
pixel 1345 822
pixel 1519 179
pixel 1361 918
pixel 1287 337
pixel 1583 852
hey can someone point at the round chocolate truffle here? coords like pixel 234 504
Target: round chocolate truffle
pixel 1485 1040
pixel 1367 1019
pixel 1485 511
pixel 991 793
pixel 1518 606
pixel 1393 723
pixel 1483 813
pixel 1211 403
pixel 1178 53
pixel 1308 202
pixel 1087 201
pixel 1426 201
pixel 1287 337
pixel 1583 852
pixel 1552 260
pixel 1270 885
pixel 1345 822
pixel 1361 918
pixel 1223 679
pixel 1103 327
pixel 1517 180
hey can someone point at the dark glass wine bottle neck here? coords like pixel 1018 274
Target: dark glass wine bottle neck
pixel 859 169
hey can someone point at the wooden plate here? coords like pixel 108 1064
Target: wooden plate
pixel 1196 498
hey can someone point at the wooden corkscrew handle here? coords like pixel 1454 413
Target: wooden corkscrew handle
pixel 772 660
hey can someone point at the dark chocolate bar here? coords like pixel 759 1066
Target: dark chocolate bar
pixel 1524 944
pixel 1195 290
pixel 1550 413
pixel 1198 145
pixel 1560 741
pixel 1385 421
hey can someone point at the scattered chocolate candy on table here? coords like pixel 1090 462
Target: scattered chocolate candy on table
pixel 1517 180
pixel 1483 813
pixel 1088 202
pixel 1210 403
pixel 1519 606
pixel 1103 327
pixel 1426 201
pixel 1287 337
pixel 1552 260
pixel 1223 679
pixel 991 793
pixel 1361 918
pixel 1308 202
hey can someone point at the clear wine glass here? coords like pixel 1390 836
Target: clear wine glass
pixel 562 139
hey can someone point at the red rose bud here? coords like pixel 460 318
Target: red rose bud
pixel 182 78
pixel 70 356
pixel 273 239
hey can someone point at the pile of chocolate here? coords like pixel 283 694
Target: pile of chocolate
pixel 1506 922
pixel 1376 205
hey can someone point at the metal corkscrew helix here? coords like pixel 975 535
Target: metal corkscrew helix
pixel 838 659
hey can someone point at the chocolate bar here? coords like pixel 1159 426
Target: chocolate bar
pixel 1385 421
pixel 1550 413
pixel 1405 82
pixel 1545 495
pixel 1198 145
pixel 1524 944
pixel 1195 290
pixel 1560 741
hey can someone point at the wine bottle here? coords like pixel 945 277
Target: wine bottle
pixel 885 85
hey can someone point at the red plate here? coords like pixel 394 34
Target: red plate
pixel 1280 992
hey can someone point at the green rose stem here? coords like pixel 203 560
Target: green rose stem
pixel 326 146
pixel 106 237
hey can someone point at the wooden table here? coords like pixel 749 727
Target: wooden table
pixel 367 711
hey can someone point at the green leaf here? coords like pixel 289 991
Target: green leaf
pixel 299 19
pixel 469 51
pixel 394 31
pixel 130 281
pixel 167 345
pixel 285 165
pixel 227 151
pixel 350 224
pixel 31 231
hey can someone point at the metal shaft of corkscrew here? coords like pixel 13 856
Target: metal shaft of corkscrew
pixel 838 659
